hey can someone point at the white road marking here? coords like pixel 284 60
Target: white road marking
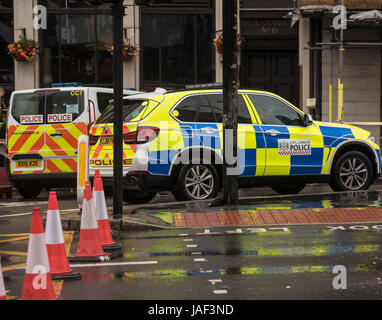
pixel 200 259
pixel 213 281
pixel 192 245
pixel 196 253
pixel 188 240
pixel 220 291
pixel 29 213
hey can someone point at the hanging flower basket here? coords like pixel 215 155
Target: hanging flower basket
pixel 23 50
pixel 218 43
pixel 129 50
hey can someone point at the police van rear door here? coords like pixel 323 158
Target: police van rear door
pixel 67 117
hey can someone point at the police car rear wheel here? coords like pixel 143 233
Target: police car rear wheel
pixel 197 182
pixel 353 171
pixel 133 197
pixel 289 188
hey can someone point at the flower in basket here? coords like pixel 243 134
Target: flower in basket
pixel 218 43
pixel 129 49
pixel 23 50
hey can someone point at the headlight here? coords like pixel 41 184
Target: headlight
pixel 372 138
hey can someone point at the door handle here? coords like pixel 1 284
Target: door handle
pixel 56 134
pixel 209 130
pixel 273 132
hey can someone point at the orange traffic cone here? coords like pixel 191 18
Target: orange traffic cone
pixel 101 215
pixel 3 293
pixel 55 243
pixel 38 284
pixel 89 244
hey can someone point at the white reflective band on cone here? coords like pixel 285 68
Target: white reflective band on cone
pixel 82 167
pixel 100 205
pixel 37 255
pixel 53 229
pixel 88 220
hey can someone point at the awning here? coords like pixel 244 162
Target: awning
pixel 349 4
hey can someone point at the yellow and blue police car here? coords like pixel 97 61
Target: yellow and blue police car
pixel 173 141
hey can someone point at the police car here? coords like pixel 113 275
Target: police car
pixel 174 140
pixel 42 133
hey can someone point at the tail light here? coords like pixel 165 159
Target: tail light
pixel 142 135
pixel 92 140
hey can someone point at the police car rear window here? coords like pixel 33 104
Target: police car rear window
pixel 47 107
pixel 133 111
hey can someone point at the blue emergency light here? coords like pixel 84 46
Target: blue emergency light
pixel 66 84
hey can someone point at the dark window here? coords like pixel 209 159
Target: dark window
pixel 28 104
pixel 177 49
pixel 205 113
pixel 64 102
pixel 274 111
pixel 103 100
pixel 76 48
pixel 216 101
pixel 209 108
pixel 187 109
pixel 133 111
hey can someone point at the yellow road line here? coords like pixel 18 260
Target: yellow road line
pixel 14 235
pixel 13 253
pixel 14 239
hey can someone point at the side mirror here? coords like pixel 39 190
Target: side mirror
pixel 308 120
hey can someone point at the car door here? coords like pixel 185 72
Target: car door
pixel 291 147
pixel 67 118
pixel 26 138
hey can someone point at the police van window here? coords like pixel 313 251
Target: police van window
pixel 64 106
pixel 104 100
pixel 28 108
pixel 216 101
pixel 186 111
pixel 274 111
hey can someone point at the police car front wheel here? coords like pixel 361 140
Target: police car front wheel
pixel 197 182
pixel 353 171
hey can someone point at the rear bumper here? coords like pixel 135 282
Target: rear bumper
pixel 51 180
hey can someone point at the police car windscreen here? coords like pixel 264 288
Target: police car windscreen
pixel 133 111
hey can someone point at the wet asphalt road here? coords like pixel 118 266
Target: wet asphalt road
pixel 248 263
pixel 295 262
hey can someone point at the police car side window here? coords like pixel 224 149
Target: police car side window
pixel 216 101
pixel 186 111
pixel 205 113
pixel 274 111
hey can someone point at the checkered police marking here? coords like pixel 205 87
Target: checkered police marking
pixel 289 147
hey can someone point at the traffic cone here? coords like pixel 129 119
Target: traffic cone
pixel 89 244
pixel 101 215
pixel 38 284
pixel 55 243
pixel 3 293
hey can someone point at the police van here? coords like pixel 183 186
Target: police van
pixel 42 133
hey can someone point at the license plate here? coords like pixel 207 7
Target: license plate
pixel 28 163
pixel 106 141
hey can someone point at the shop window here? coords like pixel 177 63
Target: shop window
pixel 177 49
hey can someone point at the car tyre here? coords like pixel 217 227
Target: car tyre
pixel 288 188
pixel 196 182
pixel 352 172
pixel 137 197
pixel 29 191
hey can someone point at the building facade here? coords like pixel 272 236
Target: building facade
pixel 176 43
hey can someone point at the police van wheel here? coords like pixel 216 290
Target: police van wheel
pixel 353 171
pixel 197 182
pixel 289 188
pixel 133 197
pixel 28 191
